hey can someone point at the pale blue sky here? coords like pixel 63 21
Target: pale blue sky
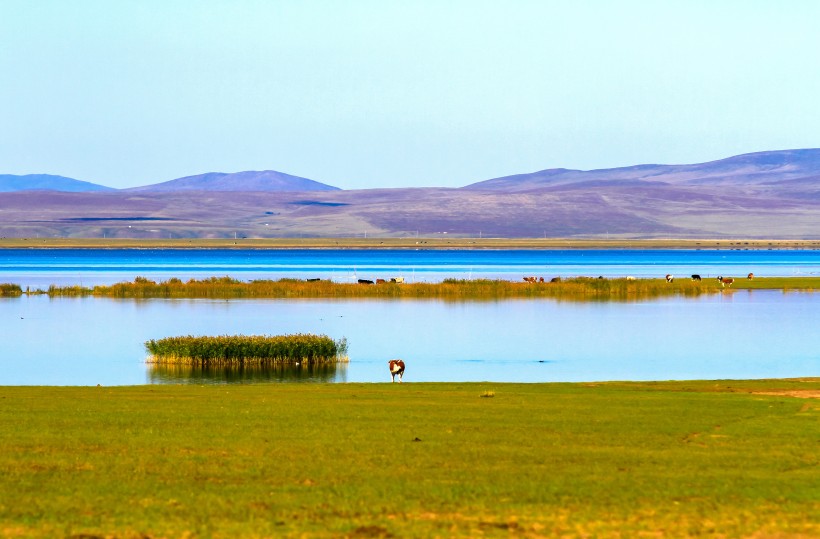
pixel 381 93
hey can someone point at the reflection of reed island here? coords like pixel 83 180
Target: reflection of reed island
pixel 163 373
pixel 247 353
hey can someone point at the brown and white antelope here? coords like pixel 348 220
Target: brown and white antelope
pixel 396 368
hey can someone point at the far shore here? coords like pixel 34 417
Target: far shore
pixel 438 242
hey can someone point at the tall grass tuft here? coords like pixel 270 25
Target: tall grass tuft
pixel 10 290
pixel 300 348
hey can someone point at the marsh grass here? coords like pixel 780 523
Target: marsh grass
pixel 10 290
pixel 241 350
pixel 670 459
pixel 576 289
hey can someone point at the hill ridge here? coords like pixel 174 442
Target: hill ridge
pixel 248 180
pixel 46 182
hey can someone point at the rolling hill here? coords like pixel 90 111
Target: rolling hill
pixel 266 180
pixel 787 169
pixel 46 182
pixel 761 195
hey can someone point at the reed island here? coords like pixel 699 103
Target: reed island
pixel 235 350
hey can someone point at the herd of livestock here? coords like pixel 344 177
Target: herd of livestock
pixel 721 279
pixel 669 278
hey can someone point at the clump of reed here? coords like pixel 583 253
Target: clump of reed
pixel 10 290
pixel 306 349
pixel 68 291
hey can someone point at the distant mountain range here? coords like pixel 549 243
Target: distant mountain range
pixel 791 167
pixel 762 168
pixel 772 194
pixel 266 180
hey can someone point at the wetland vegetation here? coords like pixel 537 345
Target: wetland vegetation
pixel 672 459
pixel 10 290
pixel 573 289
pixel 247 349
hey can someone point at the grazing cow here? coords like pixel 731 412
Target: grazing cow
pixel 365 281
pixel 530 279
pixel 379 281
pixel 669 278
pixel 396 368
pixel 540 279
pixel 630 278
pixel 555 280
pixel 750 276
pixel 725 280
pixel 696 277
pixel 313 280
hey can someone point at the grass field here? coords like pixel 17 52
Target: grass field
pixel 672 459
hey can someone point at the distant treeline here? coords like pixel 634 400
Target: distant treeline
pixel 573 289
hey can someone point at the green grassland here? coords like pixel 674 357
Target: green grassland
pixel 670 459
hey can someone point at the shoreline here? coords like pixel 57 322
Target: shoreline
pixel 437 243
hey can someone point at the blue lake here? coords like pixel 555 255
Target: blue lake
pixel 734 334
pixel 42 267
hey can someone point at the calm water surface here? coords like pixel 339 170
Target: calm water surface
pixel 736 334
pixel 39 268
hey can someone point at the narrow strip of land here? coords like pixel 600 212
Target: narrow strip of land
pixel 439 242
pixel 575 289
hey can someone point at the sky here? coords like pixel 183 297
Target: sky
pixel 385 93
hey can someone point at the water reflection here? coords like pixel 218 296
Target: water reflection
pixel 206 374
